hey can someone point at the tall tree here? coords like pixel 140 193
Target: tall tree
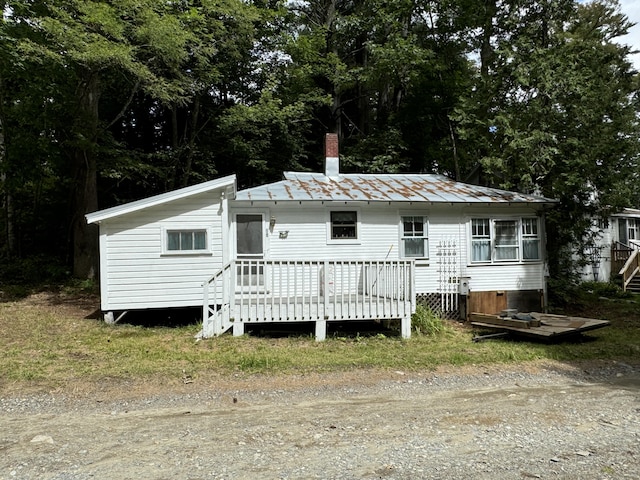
pixel 359 62
pixel 554 112
pixel 152 46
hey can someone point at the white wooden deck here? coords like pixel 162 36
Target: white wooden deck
pixel 257 291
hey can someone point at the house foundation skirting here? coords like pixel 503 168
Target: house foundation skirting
pixel 445 305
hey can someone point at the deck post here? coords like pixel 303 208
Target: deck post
pixel 206 320
pixel 238 328
pixel 325 287
pixel 321 330
pixel 405 327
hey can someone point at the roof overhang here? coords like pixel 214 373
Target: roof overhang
pixel 628 213
pixel 228 182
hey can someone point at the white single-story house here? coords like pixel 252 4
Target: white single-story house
pixel 324 247
pixel 616 249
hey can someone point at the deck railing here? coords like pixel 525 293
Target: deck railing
pixel 625 260
pixel 248 291
pixel 620 253
pixel 216 307
pixel 630 268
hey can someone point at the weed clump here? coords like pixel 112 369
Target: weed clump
pixel 426 322
pixel 605 289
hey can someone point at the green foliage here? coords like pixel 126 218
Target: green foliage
pixel 425 322
pixel 132 98
pixel 34 271
pixel 252 133
pixel 562 293
pixel 557 114
pixel 605 289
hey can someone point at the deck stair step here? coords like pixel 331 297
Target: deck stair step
pixel 634 284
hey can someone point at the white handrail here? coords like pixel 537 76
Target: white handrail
pixel 630 268
pixel 261 290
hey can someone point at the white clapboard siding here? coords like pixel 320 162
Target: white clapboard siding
pixel 140 274
pixel 307 234
pixel 506 277
pixel 604 241
pixel 301 232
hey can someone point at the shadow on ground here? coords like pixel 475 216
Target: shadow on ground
pixel 181 317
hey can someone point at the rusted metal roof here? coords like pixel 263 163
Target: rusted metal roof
pixel 385 188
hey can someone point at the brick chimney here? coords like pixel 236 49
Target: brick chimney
pixel 331 161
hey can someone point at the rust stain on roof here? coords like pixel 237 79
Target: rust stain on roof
pixel 356 187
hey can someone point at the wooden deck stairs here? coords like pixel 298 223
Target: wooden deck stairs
pixel 627 259
pixel 634 284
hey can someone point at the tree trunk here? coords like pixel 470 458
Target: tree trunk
pixel 7 199
pixel 486 50
pixel 172 182
pixel 85 237
pixel 454 147
pixel 191 142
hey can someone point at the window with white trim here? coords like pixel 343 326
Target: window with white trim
pixel 632 229
pixel 505 240
pixel 186 241
pixel 530 239
pixel 344 225
pixel 480 240
pixel 414 239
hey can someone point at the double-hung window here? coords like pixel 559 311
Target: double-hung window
pixel 415 242
pixel 186 241
pixel 632 229
pixel 480 240
pixel 505 240
pixel 530 239
pixel 344 225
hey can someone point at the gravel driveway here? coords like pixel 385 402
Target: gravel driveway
pixel 538 421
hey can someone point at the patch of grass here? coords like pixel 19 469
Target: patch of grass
pixel 426 322
pixel 50 340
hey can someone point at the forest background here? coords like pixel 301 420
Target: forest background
pixel 104 102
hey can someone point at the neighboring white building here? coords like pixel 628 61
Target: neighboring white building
pixel 617 239
pixel 324 247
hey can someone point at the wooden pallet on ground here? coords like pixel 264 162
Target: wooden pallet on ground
pixel 540 325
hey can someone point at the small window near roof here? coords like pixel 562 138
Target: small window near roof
pixel 186 240
pixel 344 225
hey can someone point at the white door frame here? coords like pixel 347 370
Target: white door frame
pixel 264 212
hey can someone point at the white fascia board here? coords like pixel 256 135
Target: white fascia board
pixel 628 213
pixel 224 182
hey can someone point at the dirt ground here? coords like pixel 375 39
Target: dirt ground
pixel 544 421
pixel 541 420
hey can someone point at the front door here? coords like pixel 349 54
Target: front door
pixel 250 233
